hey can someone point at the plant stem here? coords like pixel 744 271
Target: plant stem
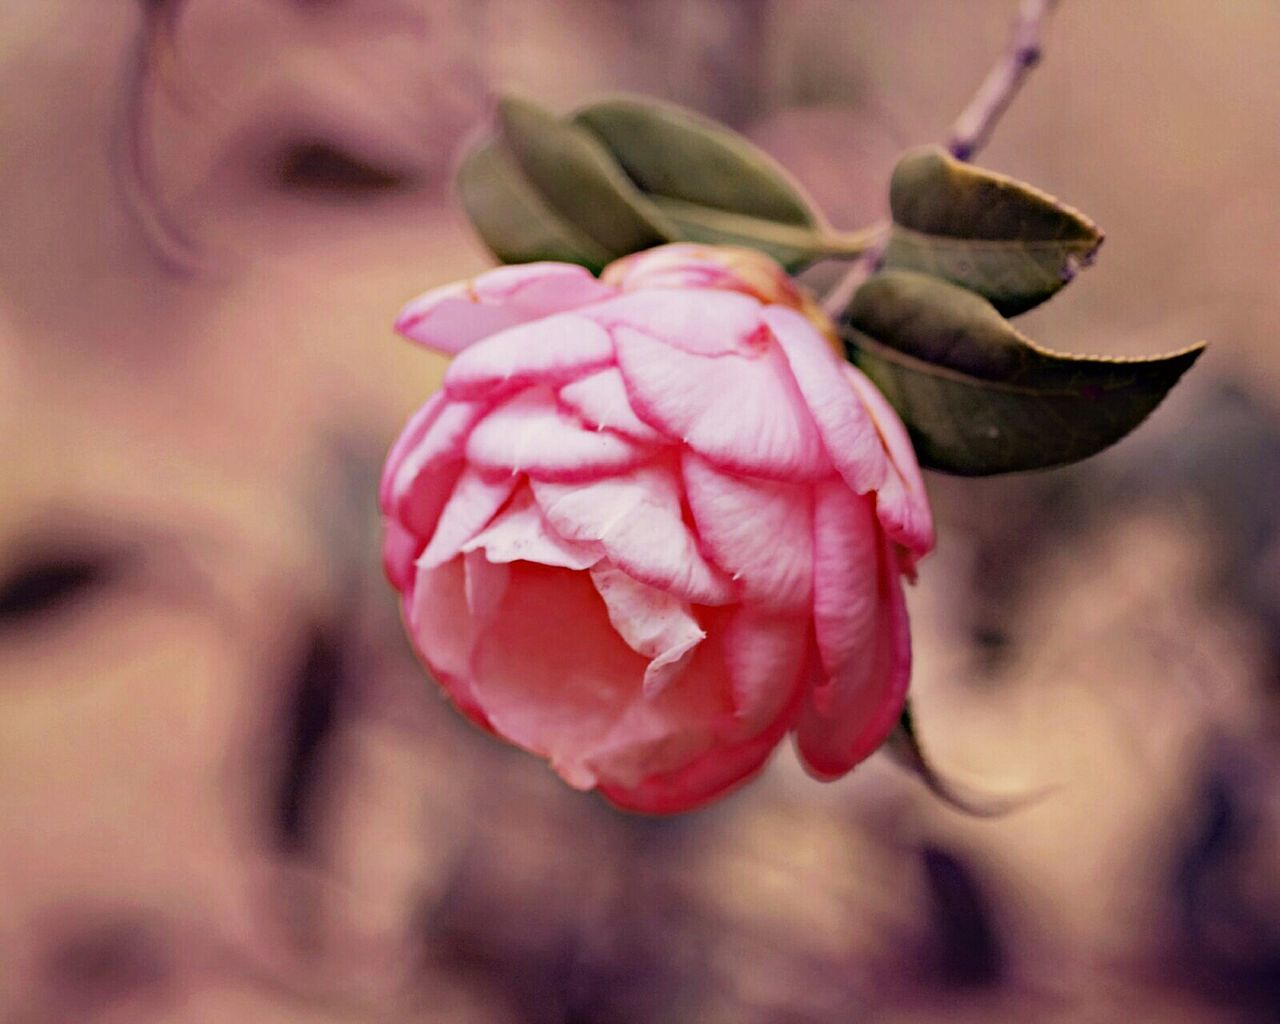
pixel 972 129
pixel 970 133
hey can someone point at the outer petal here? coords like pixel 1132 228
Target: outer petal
pixel 449 319
pixel 707 777
pixel 530 434
pixel 426 473
pixel 744 414
pixel 600 399
pixel 847 431
pixel 551 351
pixel 444 632
pixel 410 437
pixel 760 532
pixel 902 503
pixel 860 621
pixel 636 517
pixel 706 323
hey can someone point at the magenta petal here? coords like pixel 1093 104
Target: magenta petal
pixel 860 619
pixel 707 323
pixel 475 500
pixel 552 350
pixel 760 532
pixel 530 434
pixel 744 414
pixel 600 399
pixel 902 503
pixel 848 433
pixel 636 517
pixel 449 319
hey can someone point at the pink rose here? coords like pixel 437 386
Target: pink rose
pixel 653 523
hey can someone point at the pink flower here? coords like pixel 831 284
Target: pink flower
pixel 653 523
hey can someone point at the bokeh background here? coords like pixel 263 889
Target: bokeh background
pixel 227 791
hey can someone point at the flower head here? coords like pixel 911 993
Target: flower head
pixel 653 523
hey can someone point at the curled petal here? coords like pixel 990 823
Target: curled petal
pixel 636 517
pixel 902 504
pixel 531 434
pixel 705 323
pixel 760 532
pixel 550 351
pixel 652 622
pixel 449 319
pixel 400 549
pixel 744 414
pixel 475 500
pixel 600 400
pixel 860 621
pixel 848 433
pixel 427 471
pixel 409 439
pixel 520 533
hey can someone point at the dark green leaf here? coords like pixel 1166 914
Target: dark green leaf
pixel 577 177
pixel 991 234
pixel 711 182
pixel 513 219
pixel 977 396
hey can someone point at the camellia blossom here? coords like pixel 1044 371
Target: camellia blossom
pixel 653 523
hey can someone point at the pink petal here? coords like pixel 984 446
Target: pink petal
pixel 444 630
pixel 758 531
pixel 409 438
pixel 765 654
pixel 847 432
pixel 425 474
pixel 400 549
pixel 902 503
pixel 550 672
pixel 449 319
pixel 860 621
pixel 636 517
pixel 706 323
pixel 530 434
pixel 475 500
pixel 652 622
pixel 552 350
pixel 744 414
pixel 600 399
pixel 708 777
pixel 520 533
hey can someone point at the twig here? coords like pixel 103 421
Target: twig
pixel 971 131
pixel 975 124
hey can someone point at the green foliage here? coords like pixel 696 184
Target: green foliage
pixel 1005 240
pixel 626 174
pixel 977 396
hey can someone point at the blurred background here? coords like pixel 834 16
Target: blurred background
pixel 228 793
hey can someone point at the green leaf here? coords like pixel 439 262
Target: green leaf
pixel 711 182
pixel 576 176
pixel 512 217
pixel 977 396
pixel 1003 239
